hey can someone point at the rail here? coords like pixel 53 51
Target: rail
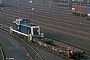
pixel 2 53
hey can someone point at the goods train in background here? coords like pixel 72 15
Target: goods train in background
pixel 84 10
pixel 85 1
pixel 1 2
pixel 24 27
pixel 69 3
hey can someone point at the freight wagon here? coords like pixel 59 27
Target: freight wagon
pixel 84 10
pixel 61 48
pixel 25 28
pixel 62 3
pixel 66 3
pixel 68 0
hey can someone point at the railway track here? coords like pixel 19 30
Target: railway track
pixel 33 5
pixel 31 51
pixel 50 18
pixel 1 53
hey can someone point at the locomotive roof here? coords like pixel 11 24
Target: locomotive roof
pixel 23 20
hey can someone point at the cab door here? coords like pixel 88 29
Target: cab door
pixel 35 31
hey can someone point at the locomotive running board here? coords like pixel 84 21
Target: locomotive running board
pixel 18 32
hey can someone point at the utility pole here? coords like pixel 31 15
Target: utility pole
pixel 60 4
pixel 44 1
pixel 68 3
pixel 80 13
pixel 31 7
pixel 50 2
pixel 12 2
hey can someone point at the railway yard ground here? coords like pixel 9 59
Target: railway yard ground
pixel 12 49
pixel 57 23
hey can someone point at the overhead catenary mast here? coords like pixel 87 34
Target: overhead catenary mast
pixel 18 8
